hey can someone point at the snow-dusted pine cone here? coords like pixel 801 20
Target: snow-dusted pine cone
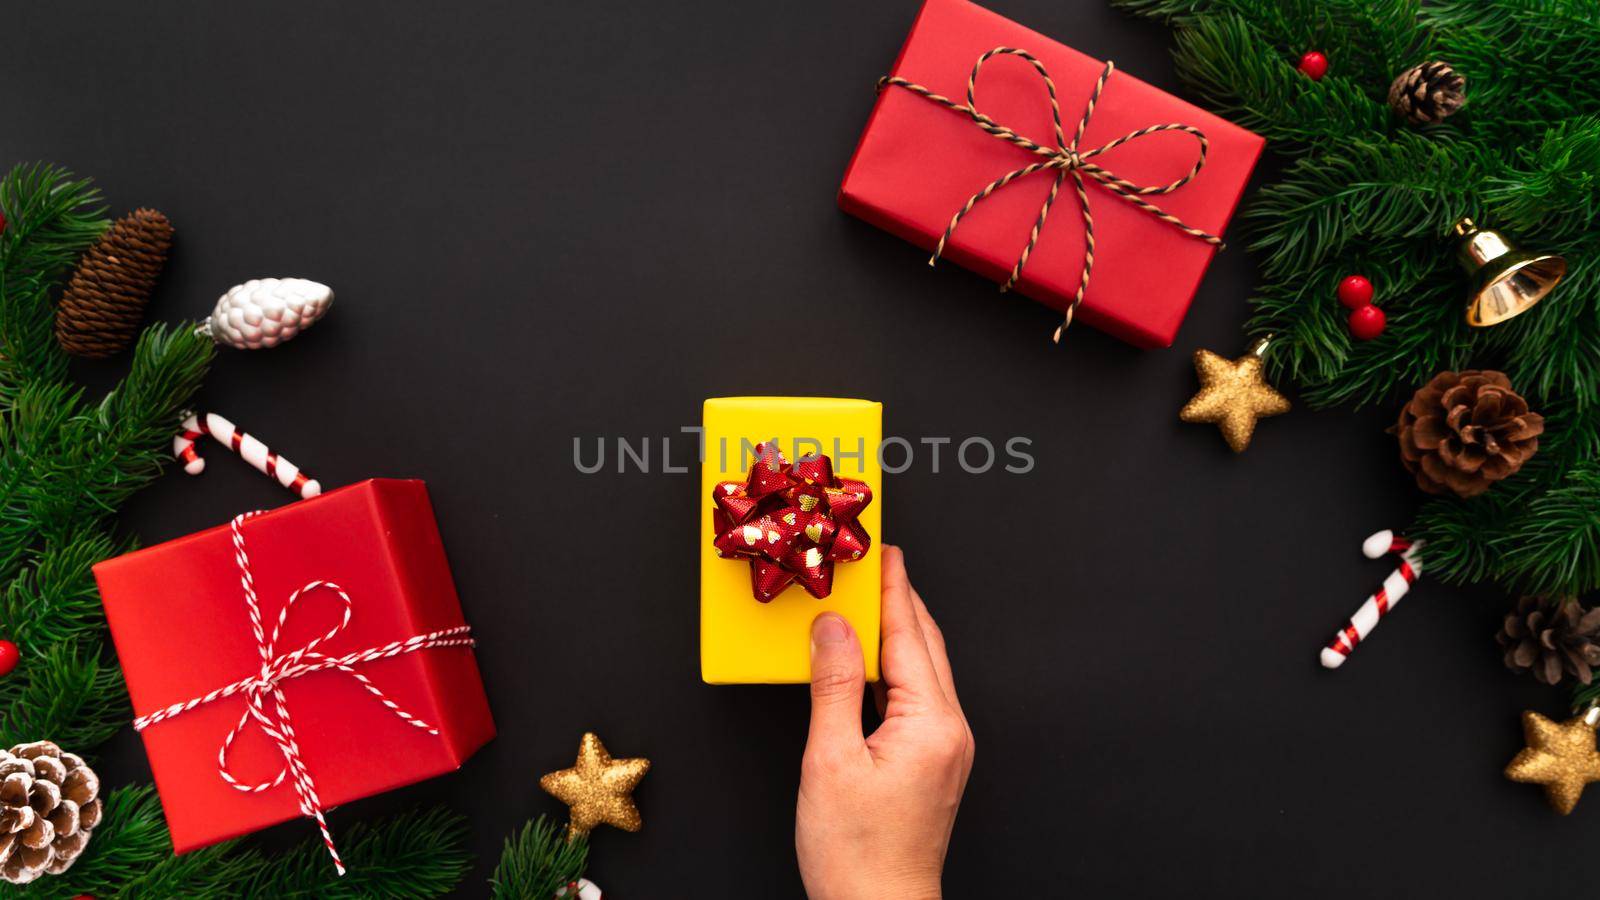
pixel 265 312
pixel 49 803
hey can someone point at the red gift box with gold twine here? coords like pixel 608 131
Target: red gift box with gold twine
pixel 987 185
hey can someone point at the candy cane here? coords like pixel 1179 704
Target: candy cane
pixel 254 452
pixel 582 889
pixel 1384 599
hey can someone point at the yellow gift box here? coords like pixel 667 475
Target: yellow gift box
pixel 745 641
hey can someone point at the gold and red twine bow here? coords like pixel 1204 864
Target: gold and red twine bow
pixel 1064 159
pixel 276 668
pixel 792 522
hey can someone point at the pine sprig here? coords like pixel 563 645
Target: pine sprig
pixel 54 600
pixel 1219 58
pixel 1357 35
pixel 538 860
pixel 51 218
pixel 409 856
pixel 1551 187
pixel 1528 62
pixel 1347 201
pixel 130 856
pixel 113 450
pixel 1362 192
pixel 69 692
pixel 70 468
pixel 1557 545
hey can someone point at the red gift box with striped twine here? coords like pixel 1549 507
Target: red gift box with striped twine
pixel 278 667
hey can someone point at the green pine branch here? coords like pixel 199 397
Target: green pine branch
pixel 409 856
pixel 130 855
pixel 1529 534
pixel 71 692
pixel 539 860
pixel 70 467
pixel 1246 77
pixel 51 218
pixel 66 466
pixel 54 600
pixel 1527 62
pixel 412 855
pixel 1365 193
pixel 1240 56
pixel 1362 192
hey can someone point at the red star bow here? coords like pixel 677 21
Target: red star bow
pixel 793 522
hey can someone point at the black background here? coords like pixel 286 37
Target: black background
pixel 549 221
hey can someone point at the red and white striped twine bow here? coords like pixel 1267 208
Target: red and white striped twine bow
pixel 1065 159
pixel 276 668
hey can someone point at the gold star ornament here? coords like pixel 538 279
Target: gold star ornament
pixel 1560 756
pixel 598 789
pixel 1233 395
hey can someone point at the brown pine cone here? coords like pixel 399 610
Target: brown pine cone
pixel 1549 636
pixel 103 305
pixel 49 804
pixel 1428 93
pixel 1464 431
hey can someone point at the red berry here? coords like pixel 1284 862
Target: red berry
pixel 1366 323
pixel 1355 291
pixel 9 657
pixel 1313 65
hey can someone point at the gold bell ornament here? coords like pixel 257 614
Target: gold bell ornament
pixel 1506 282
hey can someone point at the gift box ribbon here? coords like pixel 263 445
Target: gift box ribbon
pixel 1064 159
pixel 791 522
pixel 278 667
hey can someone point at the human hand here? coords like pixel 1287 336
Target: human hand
pixel 875 813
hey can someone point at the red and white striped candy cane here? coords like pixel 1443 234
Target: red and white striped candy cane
pixel 582 889
pixel 1381 601
pixel 254 452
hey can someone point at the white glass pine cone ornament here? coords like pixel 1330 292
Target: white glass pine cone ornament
pixel 49 805
pixel 265 312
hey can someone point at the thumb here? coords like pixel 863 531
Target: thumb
pixel 837 680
